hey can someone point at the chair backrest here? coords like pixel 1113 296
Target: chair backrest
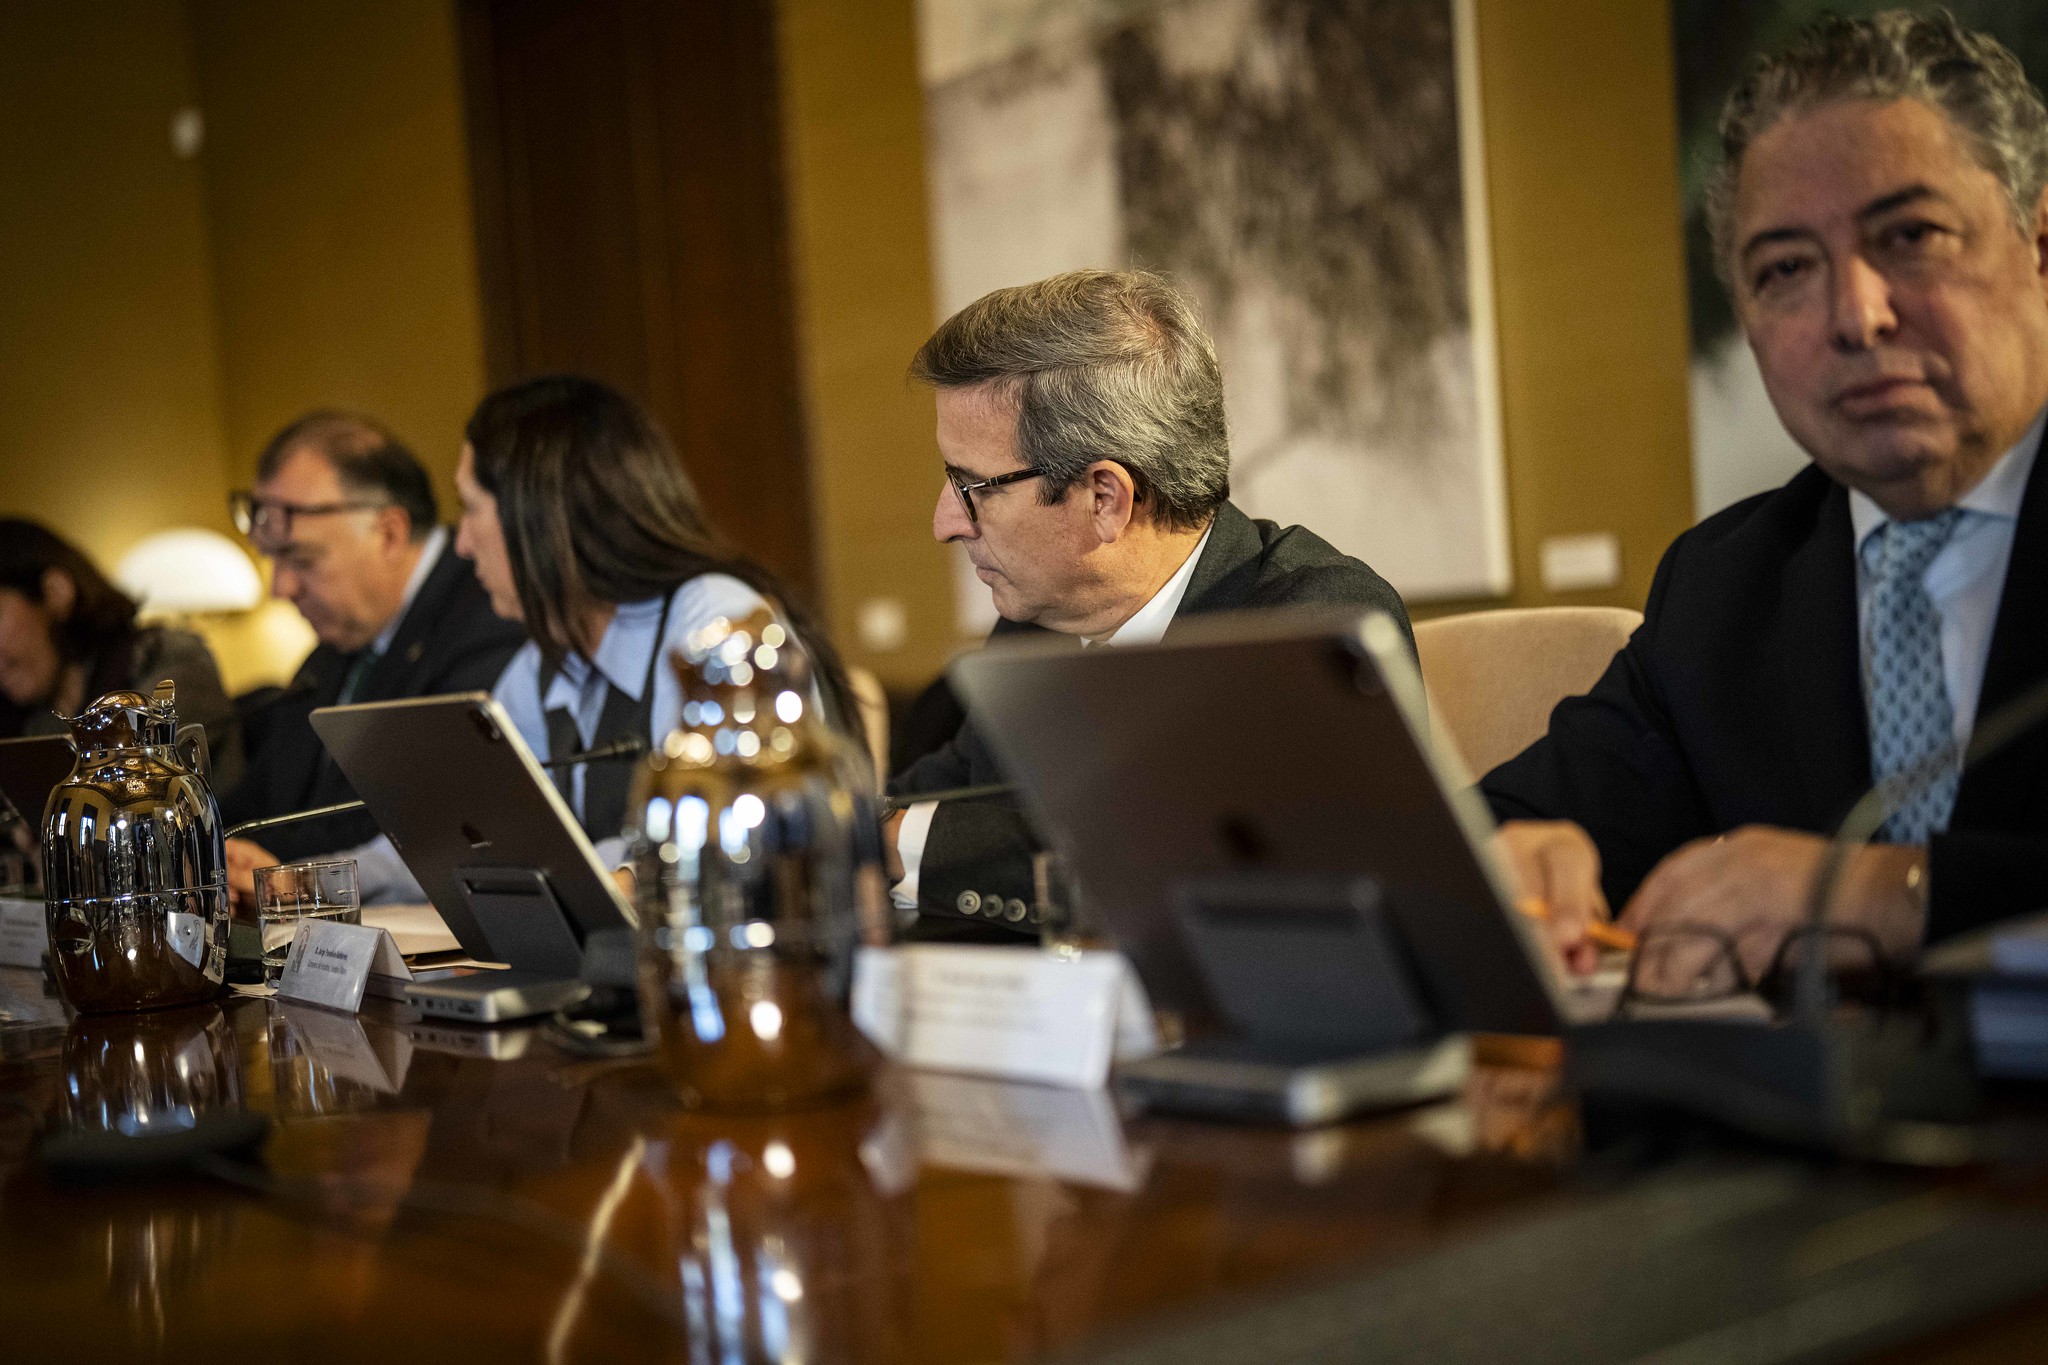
pixel 1493 676
pixel 874 715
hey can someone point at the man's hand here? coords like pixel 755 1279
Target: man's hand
pixel 1756 886
pixel 244 857
pixel 1557 871
pixel 889 854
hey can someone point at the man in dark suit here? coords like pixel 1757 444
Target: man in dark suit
pixel 348 516
pixel 1882 226
pixel 1087 477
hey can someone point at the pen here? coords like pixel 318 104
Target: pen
pixel 1600 931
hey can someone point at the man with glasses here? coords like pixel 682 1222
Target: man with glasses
pixel 1087 476
pixel 347 516
pixel 1881 221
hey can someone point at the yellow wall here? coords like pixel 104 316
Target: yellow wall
pixel 159 317
pixel 1581 137
pixel 337 193
pixel 109 391
pixel 853 143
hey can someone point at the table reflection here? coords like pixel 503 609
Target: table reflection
pixel 785 1247
pixel 138 1076
pixel 323 1063
pixel 409 1178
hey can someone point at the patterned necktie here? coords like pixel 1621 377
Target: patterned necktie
pixel 1911 718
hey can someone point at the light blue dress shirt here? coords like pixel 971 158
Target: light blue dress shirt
pixel 621 661
pixel 1965 581
pixel 579 686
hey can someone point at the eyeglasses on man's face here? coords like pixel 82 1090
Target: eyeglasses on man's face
pixel 269 520
pixel 966 488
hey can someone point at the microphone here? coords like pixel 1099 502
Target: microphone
pixel 2008 723
pixel 889 805
pixel 630 747
pixel 1891 1089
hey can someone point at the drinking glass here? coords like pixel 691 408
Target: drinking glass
pixel 292 892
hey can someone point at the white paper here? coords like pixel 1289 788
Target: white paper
pixel 993 1011
pixel 1137 1036
pixel 877 997
pixel 415 929
pixel 330 963
pixel 24 932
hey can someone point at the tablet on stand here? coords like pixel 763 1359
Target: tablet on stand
pixel 1254 810
pixel 491 842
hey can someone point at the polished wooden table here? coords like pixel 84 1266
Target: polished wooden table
pixel 421 1199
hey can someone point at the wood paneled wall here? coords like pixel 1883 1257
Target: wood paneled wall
pixel 626 158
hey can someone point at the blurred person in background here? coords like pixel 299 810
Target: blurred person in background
pixel 348 517
pixel 68 637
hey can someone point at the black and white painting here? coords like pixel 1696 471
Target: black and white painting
pixel 1310 170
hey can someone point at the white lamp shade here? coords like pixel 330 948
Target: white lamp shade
pixel 189 570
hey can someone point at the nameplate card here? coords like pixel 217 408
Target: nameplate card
pixel 24 932
pixel 331 964
pixel 1012 1013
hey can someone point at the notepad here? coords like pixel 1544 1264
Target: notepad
pixel 416 929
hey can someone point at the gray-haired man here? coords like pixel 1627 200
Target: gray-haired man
pixel 1882 222
pixel 1088 478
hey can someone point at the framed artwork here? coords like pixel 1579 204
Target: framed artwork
pixel 1310 171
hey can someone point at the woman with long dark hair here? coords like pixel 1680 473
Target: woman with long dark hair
pixel 583 524
pixel 68 636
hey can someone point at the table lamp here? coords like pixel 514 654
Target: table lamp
pixel 187 571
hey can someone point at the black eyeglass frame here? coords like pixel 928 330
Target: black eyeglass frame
pixel 1887 975
pixel 245 507
pixel 966 489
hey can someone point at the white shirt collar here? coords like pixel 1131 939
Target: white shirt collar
pixel 430 551
pixel 1148 624
pixel 621 657
pixel 1997 494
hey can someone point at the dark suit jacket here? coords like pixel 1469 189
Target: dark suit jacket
pixel 986 846
pixel 448 641
pixel 1740 701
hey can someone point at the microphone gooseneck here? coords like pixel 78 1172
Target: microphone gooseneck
pixel 889 805
pixel 630 747
pixel 1876 805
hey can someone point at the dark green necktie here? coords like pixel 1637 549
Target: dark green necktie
pixel 352 681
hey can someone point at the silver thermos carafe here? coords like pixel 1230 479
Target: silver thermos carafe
pixel 134 864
